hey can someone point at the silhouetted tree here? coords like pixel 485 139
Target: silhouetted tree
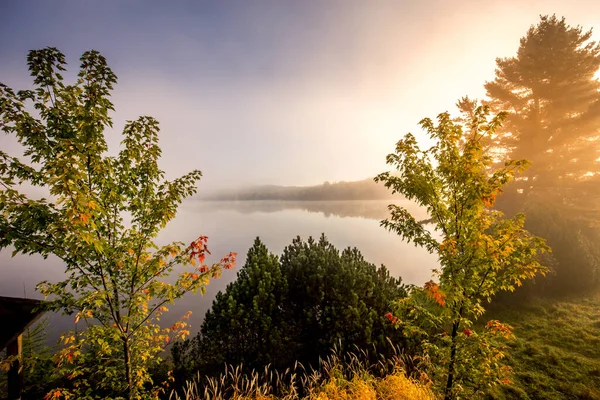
pixel 553 100
pixel 357 190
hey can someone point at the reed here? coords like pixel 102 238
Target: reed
pixel 351 375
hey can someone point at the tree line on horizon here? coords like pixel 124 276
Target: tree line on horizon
pixel 364 189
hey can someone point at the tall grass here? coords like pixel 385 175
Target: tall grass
pixel 351 375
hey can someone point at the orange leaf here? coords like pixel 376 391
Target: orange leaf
pixel 434 292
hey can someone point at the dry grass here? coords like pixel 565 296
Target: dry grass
pixel 348 377
pixel 396 386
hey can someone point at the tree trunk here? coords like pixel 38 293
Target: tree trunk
pixel 128 390
pixel 449 382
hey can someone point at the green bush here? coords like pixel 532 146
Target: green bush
pixel 293 308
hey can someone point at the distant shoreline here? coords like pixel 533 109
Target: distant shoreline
pixel 364 190
pixel 214 199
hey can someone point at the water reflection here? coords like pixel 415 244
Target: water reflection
pixel 370 209
pixel 233 226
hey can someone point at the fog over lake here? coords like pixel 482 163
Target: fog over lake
pixel 233 226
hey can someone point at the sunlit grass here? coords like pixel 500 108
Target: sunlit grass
pixel 557 351
pixel 348 377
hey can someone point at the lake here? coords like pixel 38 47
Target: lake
pixel 233 226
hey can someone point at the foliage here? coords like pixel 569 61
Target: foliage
pixel 100 220
pixel 39 377
pixel 36 363
pixel 296 308
pixel 575 258
pixel 335 298
pixel 480 253
pixel 245 325
pixel 556 354
pixel 339 376
pixel 553 98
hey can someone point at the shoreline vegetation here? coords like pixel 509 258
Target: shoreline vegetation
pixel 561 333
pixel 365 189
pixel 339 376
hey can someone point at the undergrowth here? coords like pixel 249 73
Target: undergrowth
pixel 347 377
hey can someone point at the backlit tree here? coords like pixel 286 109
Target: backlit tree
pixel 480 252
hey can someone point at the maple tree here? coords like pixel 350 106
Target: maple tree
pixel 480 253
pixel 101 219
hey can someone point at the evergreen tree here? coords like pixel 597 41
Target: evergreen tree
pixel 295 309
pixel 245 324
pixel 553 100
pixel 335 300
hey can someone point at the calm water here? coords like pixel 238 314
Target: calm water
pixel 233 226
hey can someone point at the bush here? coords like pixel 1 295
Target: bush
pixel 296 308
pixel 571 234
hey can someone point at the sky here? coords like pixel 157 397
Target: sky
pixel 274 91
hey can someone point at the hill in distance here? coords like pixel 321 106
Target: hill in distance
pixel 365 189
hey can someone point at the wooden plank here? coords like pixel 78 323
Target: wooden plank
pixel 17 315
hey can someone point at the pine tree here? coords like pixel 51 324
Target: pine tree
pixel 296 308
pixel 553 98
pixel 245 324
pixel 336 299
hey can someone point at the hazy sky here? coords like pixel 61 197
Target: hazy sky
pixel 280 92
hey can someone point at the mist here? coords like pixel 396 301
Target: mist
pixel 280 93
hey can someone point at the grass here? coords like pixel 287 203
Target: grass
pixel 556 353
pixel 348 377
pixel 395 386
